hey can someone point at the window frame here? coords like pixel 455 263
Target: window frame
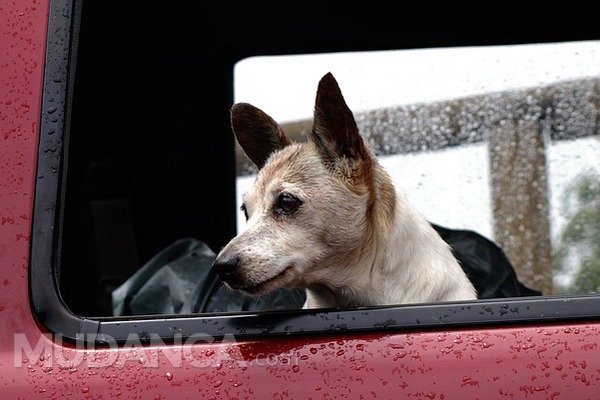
pixel 52 312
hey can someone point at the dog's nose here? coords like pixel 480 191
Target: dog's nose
pixel 226 266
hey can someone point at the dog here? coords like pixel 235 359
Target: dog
pixel 324 215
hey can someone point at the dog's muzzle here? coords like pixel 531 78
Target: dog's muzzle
pixel 226 267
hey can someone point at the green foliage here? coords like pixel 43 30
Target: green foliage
pixel 580 240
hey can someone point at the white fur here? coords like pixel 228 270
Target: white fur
pixel 412 265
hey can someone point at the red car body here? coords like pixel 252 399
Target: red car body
pixel 541 358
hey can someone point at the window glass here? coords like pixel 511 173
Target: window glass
pixel 500 140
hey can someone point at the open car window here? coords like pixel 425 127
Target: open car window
pixel 138 171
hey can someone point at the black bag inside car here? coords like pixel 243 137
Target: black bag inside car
pixel 485 264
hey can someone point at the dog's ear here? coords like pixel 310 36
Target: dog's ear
pixel 258 134
pixel 335 131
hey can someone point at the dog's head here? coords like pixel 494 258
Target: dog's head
pixel 314 206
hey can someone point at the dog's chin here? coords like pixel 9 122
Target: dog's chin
pixel 282 279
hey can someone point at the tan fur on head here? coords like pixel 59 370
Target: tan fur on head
pixel 325 215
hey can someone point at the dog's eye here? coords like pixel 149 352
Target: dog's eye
pixel 287 204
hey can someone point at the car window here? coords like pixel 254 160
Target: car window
pixel 139 175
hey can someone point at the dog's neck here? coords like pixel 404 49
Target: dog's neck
pixel 412 253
